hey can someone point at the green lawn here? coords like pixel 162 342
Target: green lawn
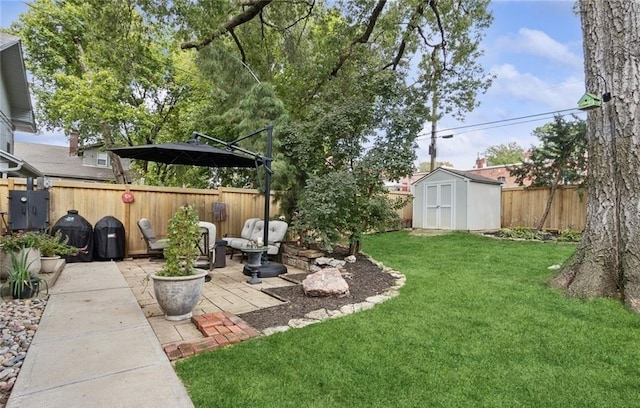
pixel 475 325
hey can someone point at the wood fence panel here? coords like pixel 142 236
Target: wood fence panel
pixel 524 207
pixel 520 207
pixel 405 213
pixel 94 201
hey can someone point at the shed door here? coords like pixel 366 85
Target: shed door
pixel 439 208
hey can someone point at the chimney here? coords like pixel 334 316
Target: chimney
pixel 480 163
pixel 74 138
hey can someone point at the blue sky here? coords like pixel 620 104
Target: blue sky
pixel 534 47
pixel 535 50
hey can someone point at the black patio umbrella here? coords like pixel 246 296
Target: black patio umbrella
pixel 195 153
pixel 192 152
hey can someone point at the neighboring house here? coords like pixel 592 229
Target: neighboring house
pixel 16 111
pixel 91 163
pixel 499 173
pixel 404 184
pixel 451 199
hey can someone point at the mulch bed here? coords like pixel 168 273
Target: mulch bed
pixel 365 279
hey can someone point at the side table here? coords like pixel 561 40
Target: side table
pixel 254 261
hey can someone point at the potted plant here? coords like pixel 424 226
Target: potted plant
pixel 20 281
pixel 178 285
pixel 17 244
pixel 52 247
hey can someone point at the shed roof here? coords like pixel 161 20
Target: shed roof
pixel 465 174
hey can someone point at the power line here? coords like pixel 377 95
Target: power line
pixel 511 124
pixel 426 136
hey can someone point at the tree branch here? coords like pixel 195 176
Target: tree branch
pixel 311 6
pixel 240 48
pixel 419 12
pixel 255 8
pixel 433 4
pixel 373 19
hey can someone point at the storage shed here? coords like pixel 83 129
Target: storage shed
pixel 456 200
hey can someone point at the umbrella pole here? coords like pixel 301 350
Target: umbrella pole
pixel 266 161
pixel 268 269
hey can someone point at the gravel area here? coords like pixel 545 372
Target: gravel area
pixel 19 321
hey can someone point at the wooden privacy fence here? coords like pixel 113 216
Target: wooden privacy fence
pixel 520 207
pixel 94 201
pixel 524 207
pixel 406 212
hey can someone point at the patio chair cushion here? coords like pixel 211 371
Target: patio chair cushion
pixel 245 234
pixel 154 244
pixel 208 256
pixel 277 232
pixel 212 233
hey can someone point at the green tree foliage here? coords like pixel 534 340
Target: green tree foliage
pixel 100 68
pixel 425 166
pixel 502 154
pixel 346 83
pixel 333 207
pixel 560 159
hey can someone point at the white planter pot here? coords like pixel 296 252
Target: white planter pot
pixel 48 263
pixel 178 295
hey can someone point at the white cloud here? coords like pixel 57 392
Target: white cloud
pixel 461 150
pixel 538 43
pixel 526 87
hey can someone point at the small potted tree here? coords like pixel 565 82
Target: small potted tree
pixel 178 285
pixel 52 247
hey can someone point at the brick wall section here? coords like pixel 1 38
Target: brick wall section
pixel 220 329
pixel 495 172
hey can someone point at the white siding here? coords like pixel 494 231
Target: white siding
pixel 483 206
pixel 444 200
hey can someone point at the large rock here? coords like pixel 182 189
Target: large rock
pixel 327 282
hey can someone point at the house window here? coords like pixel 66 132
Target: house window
pixel 103 159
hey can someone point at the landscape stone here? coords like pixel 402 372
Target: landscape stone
pixel 325 261
pixel 276 329
pixel 298 323
pixel 327 282
pixel 320 314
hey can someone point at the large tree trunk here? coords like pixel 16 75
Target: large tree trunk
pixel 607 262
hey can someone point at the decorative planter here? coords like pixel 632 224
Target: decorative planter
pixel 178 295
pixel 48 263
pixel 28 291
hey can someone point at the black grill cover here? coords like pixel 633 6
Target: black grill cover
pixel 108 239
pixel 80 233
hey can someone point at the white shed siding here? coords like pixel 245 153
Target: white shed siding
pixel 483 206
pixel 447 199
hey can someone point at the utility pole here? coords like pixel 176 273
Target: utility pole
pixel 434 136
pixel 432 146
